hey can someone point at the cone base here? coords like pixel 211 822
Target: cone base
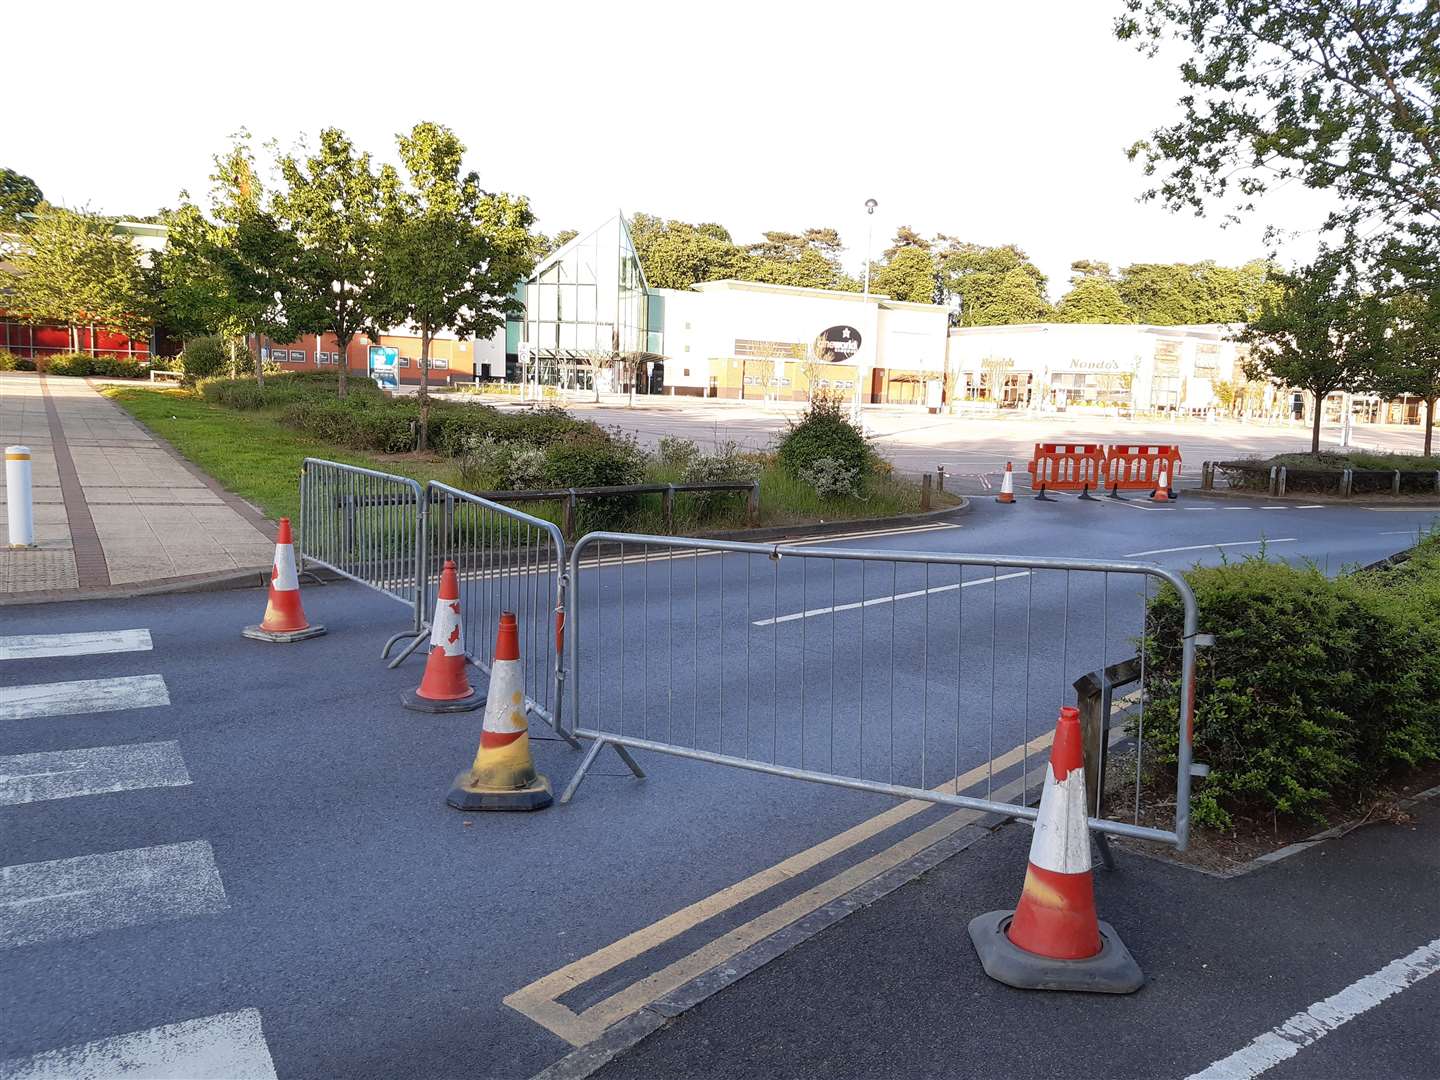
pixel 464 797
pixel 1110 971
pixel 1005 500
pixel 412 700
pixel 282 637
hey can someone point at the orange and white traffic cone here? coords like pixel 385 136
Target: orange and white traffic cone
pixel 284 619
pixel 503 776
pixel 1162 494
pixel 1053 940
pixel 445 687
pixel 1007 485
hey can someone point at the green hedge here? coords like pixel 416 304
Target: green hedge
pixel 1316 690
pixel 824 431
pixel 75 364
pixel 282 389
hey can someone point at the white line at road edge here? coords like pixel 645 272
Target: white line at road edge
pixel 1203 547
pixel 35 646
pixel 1286 1040
pixel 83 696
pixel 99 770
pixel 813 612
pixel 227 1046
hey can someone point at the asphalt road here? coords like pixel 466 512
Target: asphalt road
pixel 299 861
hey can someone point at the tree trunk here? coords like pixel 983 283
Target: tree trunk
pixel 422 443
pixel 1429 423
pixel 1315 428
pixel 343 386
pixel 259 369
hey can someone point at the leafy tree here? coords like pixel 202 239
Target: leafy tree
pixel 18 195
pixel 1162 294
pixel 1320 334
pixel 1093 300
pixel 809 260
pixel 451 253
pixel 1089 268
pixel 545 246
pixel 235 272
pixel 1339 96
pixel 909 274
pixel 331 205
pixel 905 237
pixel 996 285
pixel 1410 362
pixel 675 254
pixel 73 268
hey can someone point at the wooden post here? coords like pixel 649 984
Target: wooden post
pixel 925 492
pixel 567 527
pixel 1280 481
pixel 667 504
pixel 752 504
pixel 940 477
pixel 1395 484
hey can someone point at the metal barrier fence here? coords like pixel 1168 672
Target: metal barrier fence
pixel 920 675
pixel 369 527
pixel 505 560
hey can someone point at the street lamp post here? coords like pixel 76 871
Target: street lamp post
pixel 870 205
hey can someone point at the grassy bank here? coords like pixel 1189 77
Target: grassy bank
pixel 252 453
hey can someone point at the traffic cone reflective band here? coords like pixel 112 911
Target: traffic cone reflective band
pixel 503 776
pixel 1162 486
pixel 284 619
pixel 445 686
pixel 1053 940
pixel 1007 485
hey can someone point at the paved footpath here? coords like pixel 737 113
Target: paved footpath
pixel 113 505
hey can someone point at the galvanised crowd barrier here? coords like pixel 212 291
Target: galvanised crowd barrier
pixel 505 560
pixel 920 675
pixel 369 527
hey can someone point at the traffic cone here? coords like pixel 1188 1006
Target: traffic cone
pixel 1007 485
pixel 444 688
pixel 1052 940
pixel 1162 492
pixel 284 619
pixel 503 776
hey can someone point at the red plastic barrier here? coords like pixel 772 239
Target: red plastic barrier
pixel 1067 467
pixel 1131 467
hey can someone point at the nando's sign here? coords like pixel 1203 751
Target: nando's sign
pixel 837 344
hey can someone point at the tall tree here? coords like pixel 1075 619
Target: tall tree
pixel 1093 300
pixel 1411 359
pixel 809 260
pixel 1321 334
pixel 1339 96
pixel 331 205
pixel 73 268
pixel 451 253
pixel 905 237
pixel 676 254
pixel 18 195
pixel 1081 269
pixel 995 285
pixel 908 274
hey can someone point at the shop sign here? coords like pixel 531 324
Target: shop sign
pixel 837 344
pixel 1095 365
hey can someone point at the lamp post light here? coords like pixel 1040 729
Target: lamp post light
pixel 870 205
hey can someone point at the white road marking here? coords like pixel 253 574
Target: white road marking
pixel 1203 547
pixel 1401 532
pixel 1284 1041
pixel 34 646
pixel 83 696
pixel 73 898
pixel 1237 508
pixel 65 774
pixel 813 612
pixel 1311 506
pixel 227 1046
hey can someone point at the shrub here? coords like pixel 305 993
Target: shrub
pixel 824 431
pixel 727 465
pixel 11 362
pixel 79 365
pixel 165 363
pixel 678 454
pixel 490 465
pixel 204 357
pixel 1314 691
pixel 282 389
pixel 595 459
pixel 831 479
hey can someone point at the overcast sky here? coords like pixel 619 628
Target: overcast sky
pixel 995 122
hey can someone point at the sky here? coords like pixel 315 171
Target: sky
pixel 994 122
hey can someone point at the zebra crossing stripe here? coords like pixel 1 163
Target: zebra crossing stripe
pixel 99 770
pixel 37 646
pixel 227 1046
pixel 79 897
pixel 83 696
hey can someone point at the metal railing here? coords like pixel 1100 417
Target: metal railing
pixel 505 560
pixel 921 675
pixel 369 527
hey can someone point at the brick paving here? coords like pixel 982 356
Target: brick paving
pixel 114 506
